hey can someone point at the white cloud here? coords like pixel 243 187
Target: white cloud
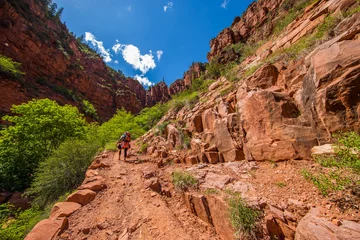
pixel 131 55
pixel 129 8
pixel 116 62
pixel 105 53
pixel 143 80
pixel 169 5
pixel 159 53
pixel 225 3
pixel 117 47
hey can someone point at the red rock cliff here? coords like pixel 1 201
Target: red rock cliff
pixel 57 66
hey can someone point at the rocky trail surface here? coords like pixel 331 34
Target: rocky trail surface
pixel 129 209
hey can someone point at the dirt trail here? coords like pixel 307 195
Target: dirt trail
pixel 128 210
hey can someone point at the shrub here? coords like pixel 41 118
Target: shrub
pixel 183 180
pixel 9 67
pixel 62 172
pixel 17 228
pixel 89 108
pixel 243 218
pixel 148 117
pixel 327 182
pixel 214 69
pixel 122 121
pixel 39 127
pixel 347 148
pixel 280 184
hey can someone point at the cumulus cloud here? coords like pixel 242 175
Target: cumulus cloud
pixel 168 6
pixel 158 54
pixel 143 80
pixel 105 53
pixel 131 55
pixel 116 62
pixel 225 3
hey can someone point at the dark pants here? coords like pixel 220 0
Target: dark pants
pixel 125 152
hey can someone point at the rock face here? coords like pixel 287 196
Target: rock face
pixel 59 67
pixel 312 227
pixel 195 71
pixel 283 109
pixel 258 15
pixel 157 93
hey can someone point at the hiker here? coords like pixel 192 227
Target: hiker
pixel 124 143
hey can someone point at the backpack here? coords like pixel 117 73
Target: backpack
pixel 122 138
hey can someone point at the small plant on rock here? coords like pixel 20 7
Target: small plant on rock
pixel 243 218
pixel 183 180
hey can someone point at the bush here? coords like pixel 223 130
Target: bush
pixel 327 182
pixel 243 218
pixel 183 180
pixel 148 117
pixel 347 148
pixel 122 121
pixel 9 67
pixel 62 172
pixel 89 109
pixel 39 127
pixel 18 228
pixel 214 69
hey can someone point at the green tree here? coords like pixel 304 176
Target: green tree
pixel 122 121
pixel 63 171
pixel 38 127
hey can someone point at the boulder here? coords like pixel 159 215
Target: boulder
pixel 197 123
pixel 219 212
pixel 208 119
pixel 98 164
pixel 82 197
pixel 312 227
pixel 91 173
pixel 323 149
pixel 154 184
pixel 198 206
pixel 96 185
pixel 212 157
pixel 264 77
pixel 19 201
pixel 224 142
pixel 214 180
pixel 63 209
pixel 47 229
pixel 275 129
pixel 192 160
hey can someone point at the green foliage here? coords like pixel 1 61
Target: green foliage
pixel 144 147
pixel 347 148
pixel 210 191
pixel 200 84
pixel 252 69
pixel 38 127
pixel 121 122
pixel 327 182
pixel 243 218
pixel 9 67
pixel 161 127
pixel 18 228
pixel 214 69
pixel 183 180
pixel 184 99
pixel 280 184
pixel 246 49
pixel 62 172
pixel 148 117
pixel 89 109
pixel 294 9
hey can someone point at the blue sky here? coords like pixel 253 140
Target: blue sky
pixel 125 31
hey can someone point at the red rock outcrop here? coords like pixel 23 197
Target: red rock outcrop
pixel 246 26
pixel 157 93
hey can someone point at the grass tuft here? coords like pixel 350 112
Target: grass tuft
pixel 183 180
